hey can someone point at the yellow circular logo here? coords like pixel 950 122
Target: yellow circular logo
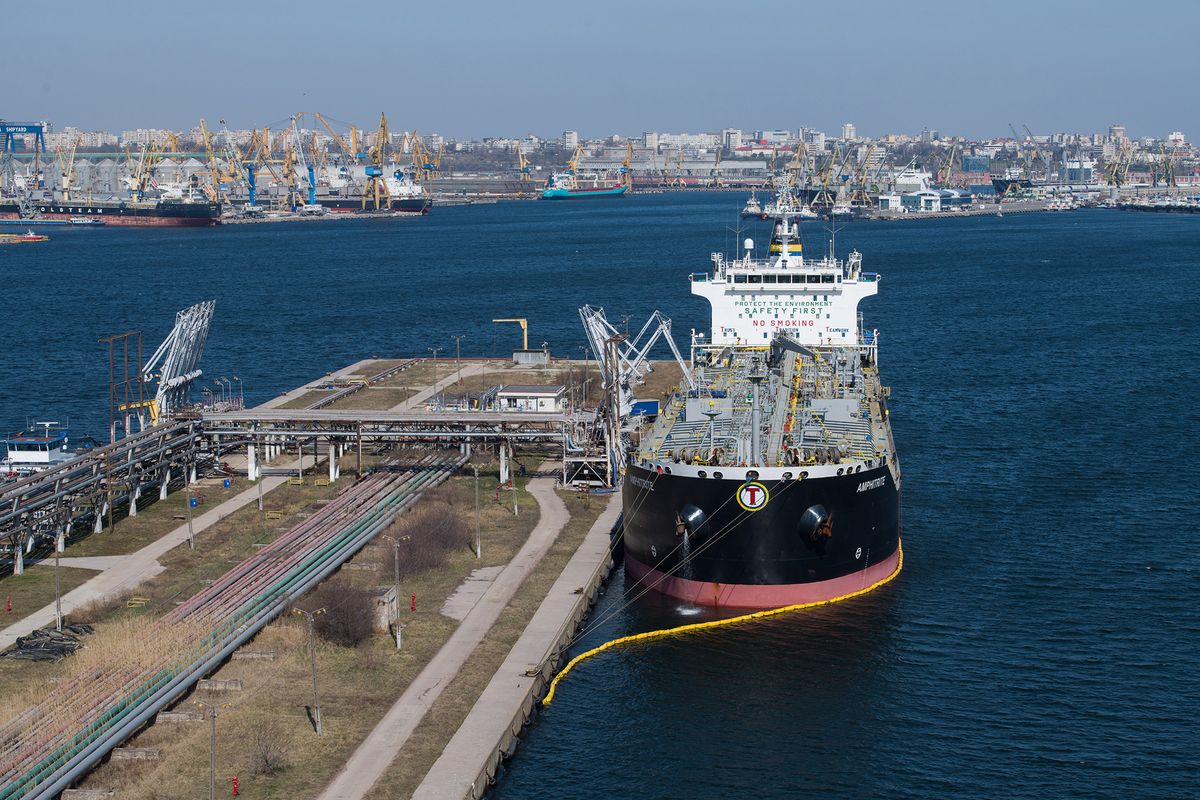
pixel 752 496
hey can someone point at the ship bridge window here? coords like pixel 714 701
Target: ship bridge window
pixel 770 278
pixel 739 278
pixel 814 278
pixel 826 279
pixel 754 278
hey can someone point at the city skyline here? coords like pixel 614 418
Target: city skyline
pixel 620 69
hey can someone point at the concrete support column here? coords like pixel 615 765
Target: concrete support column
pixel 60 541
pixel 251 463
pixel 134 494
pixel 19 561
pixel 166 481
pixel 503 463
pixel 191 476
pixel 99 526
pixel 333 461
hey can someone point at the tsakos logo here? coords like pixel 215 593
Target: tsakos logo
pixel 752 496
pixel 867 486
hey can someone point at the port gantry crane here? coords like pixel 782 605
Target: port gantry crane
pixel 375 191
pixel 824 178
pixel 945 171
pixel 715 181
pixel 627 166
pixel 860 191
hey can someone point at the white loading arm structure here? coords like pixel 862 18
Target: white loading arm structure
pixel 176 362
pixel 632 356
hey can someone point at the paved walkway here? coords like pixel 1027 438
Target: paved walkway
pixel 383 744
pixel 462 769
pixel 309 386
pixel 123 573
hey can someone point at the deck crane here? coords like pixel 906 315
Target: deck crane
pixel 66 168
pixel 375 191
pixel 523 169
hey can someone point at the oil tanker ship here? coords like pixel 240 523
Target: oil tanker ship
pixel 771 477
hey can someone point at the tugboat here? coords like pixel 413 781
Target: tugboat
pixel 752 209
pixel 770 478
pixel 22 238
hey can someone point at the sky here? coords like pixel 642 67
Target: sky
pixel 469 69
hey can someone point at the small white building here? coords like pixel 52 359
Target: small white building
pixel 525 397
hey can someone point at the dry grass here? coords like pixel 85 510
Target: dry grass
pixel 443 720
pixel 155 518
pixel 375 398
pixel 34 590
pixel 307 398
pixel 357 684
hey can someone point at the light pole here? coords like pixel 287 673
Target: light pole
pixel 476 471
pixel 458 357
pixel 586 357
pixel 435 351
pixel 311 616
pixel 241 393
pixel 211 710
pixel 229 389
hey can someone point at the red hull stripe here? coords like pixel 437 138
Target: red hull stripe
pixel 743 595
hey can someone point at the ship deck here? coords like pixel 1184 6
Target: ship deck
pixel 816 405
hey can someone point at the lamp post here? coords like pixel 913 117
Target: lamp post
pixel 586 357
pixel 435 351
pixel 476 471
pixel 458 357
pixel 211 711
pixel 241 393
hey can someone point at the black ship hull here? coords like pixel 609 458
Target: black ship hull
pixel 815 540
pixel 166 213
pixel 1005 186
pixel 401 205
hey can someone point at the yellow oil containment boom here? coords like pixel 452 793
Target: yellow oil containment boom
pixel 524 323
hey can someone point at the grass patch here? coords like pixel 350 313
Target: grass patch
pixel 375 398
pixel 304 400
pixel 34 590
pixel 154 519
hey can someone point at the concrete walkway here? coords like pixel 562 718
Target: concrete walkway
pixel 497 716
pixel 123 573
pixel 312 385
pixel 418 400
pixel 383 744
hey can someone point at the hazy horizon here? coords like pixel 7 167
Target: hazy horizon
pixel 620 68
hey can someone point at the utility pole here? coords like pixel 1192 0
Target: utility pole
pixel 211 710
pixel 477 550
pixel 396 540
pixel 187 501
pixel 311 616
pixel 458 357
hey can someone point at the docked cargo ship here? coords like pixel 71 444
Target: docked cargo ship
pixel 186 211
pixel 404 196
pixel 771 477
pixel 568 185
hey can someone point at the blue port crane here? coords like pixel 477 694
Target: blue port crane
pixel 9 131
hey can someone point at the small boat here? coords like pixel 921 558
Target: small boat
pixel 752 208
pixel 89 221
pixel 22 238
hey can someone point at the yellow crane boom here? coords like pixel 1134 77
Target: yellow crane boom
pixel 524 323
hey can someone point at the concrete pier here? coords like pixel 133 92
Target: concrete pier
pixel 469 762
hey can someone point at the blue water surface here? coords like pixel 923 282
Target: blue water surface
pixel 1043 638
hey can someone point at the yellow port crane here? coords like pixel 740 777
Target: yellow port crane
pixel 523 164
pixel 860 193
pixel 627 166
pixel 213 189
pixel 349 149
pixel 715 181
pixel 375 191
pixel 524 323
pixel 945 170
